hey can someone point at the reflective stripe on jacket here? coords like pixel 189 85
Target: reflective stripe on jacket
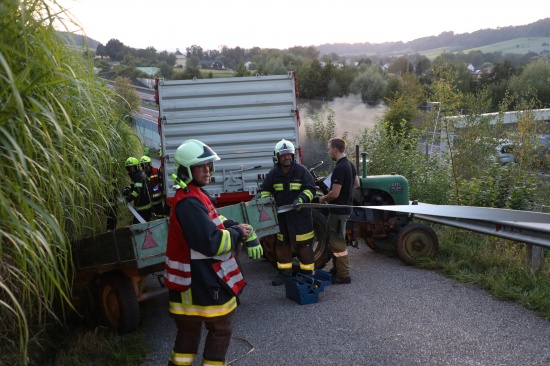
pixel 200 250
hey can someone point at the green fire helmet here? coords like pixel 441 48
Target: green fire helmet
pixel 131 161
pixel 145 159
pixel 191 153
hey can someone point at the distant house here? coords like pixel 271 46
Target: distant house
pixel 181 59
pixel 212 64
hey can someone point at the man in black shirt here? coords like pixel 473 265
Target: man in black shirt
pixel 342 183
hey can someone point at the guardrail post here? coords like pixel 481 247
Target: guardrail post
pixel 534 256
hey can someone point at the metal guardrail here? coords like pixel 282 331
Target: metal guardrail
pixel 529 233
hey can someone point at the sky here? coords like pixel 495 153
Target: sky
pixel 177 24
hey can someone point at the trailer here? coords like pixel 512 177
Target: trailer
pixel 119 264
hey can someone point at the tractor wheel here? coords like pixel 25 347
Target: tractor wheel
pixel 118 302
pixel 321 249
pixel 416 240
pixel 386 244
pixel 370 243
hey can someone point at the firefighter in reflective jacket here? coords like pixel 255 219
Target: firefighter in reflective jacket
pixel 156 184
pixel 201 274
pixel 291 183
pixel 139 191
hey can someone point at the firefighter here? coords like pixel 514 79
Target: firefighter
pixel 291 183
pixel 138 192
pixel 201 274
pixel 156 184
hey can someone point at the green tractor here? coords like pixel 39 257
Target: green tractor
pixel 382 230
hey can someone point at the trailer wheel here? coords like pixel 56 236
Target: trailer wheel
pixel 321 249
pixel 118 302
pixel 416 240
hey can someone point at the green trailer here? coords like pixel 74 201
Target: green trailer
pixel 118 263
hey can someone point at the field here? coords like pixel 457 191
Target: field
pixel 518 45
pixel 217 73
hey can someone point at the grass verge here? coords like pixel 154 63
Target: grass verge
pixel 494 264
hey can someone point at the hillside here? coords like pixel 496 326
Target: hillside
pixel 79 40
pixel 523 39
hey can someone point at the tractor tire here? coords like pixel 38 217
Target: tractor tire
pixel 321 249
pixel 416 240
pixel 118 302
pixel 386 244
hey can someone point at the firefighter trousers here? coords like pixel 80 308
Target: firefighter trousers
pixel 304 248
pixel 338 245
pixel 189 336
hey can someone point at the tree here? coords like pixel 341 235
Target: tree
pixel 399 115
pixel 535 77
pixel 310 78
pixel 334 90
pixel 195 50
pixel 399 66
pixel 165 69
pixel 422 65
pixel 241 71
pixel 115 49
pixel 275 66
pixel 192 61
pixel 370 84
pixel 101 51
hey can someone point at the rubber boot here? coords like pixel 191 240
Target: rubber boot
pixel 281 278
pixel 342 271
pixel 333 270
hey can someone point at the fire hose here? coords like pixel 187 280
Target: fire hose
pixel 497 215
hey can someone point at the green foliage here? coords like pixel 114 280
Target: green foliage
pixel 370 84
pixel 126 95
pixel 102 347
pixel 535 76
pixel 189 73
pixel 241 71
pixel 334 90
pixel 59 129
pixel 400 113
pixel 396 151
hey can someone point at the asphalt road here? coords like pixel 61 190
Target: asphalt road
pixel 391 314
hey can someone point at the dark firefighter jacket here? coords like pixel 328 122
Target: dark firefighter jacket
pixel 285 189
pixel 140 191
pixel 200 272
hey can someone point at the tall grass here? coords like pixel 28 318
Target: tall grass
pixel 59 130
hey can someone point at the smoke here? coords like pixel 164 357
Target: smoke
pixel 350 114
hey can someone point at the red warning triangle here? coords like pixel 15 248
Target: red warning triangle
pixel 149 242
pixel 264 216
